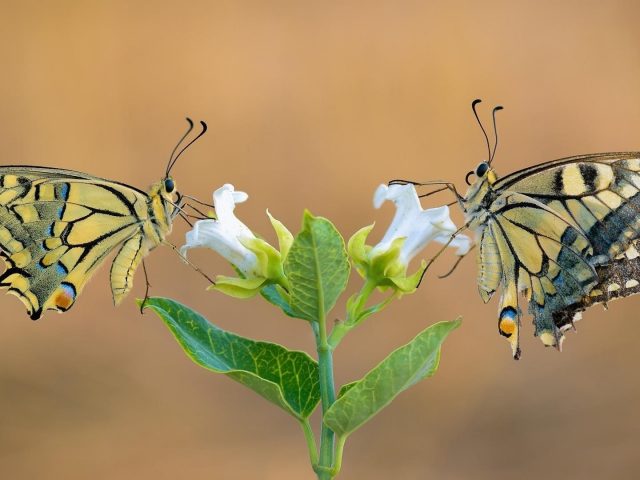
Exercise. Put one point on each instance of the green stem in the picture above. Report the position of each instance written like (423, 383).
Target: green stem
(311, 442)
(354, 311)
(327, 397)
(365, 292)
(337, 465)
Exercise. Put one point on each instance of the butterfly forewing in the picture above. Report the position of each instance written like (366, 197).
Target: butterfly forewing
(598, 193)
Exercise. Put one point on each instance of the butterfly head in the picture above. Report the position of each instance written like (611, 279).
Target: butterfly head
(166, 189)
(480, 190)
(483, 172)
(173, 199)
(485, 175)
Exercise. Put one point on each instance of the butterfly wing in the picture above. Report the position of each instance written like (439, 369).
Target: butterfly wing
(58, 226)
(617, 279)
(598, 193)
(526, 247)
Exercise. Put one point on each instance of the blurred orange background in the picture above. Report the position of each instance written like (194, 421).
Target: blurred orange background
(312, 105)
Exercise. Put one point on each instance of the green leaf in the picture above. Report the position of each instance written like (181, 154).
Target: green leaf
(286, 378)
(275, 295)
(406, 366)
(317, 268)
(346, 387)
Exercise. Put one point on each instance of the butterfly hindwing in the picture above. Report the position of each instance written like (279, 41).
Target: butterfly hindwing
(124, 266)
(540, 254)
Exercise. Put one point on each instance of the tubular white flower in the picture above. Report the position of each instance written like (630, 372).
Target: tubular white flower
(226, 234)
(417, 226)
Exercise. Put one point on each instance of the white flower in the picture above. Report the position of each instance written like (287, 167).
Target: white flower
(259, 263)
(411, 230)
(226, 234)
(417, 226)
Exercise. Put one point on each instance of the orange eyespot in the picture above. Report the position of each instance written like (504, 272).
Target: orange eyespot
(507, 327)
(65, 296)
(508, 324)
(63, 301)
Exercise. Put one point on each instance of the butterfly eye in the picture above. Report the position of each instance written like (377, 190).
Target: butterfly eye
(482, 169)
(169, 186)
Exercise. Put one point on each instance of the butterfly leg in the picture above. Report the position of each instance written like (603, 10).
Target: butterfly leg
(456, 263)
(186, 260)
(147, 287)
(439, 252)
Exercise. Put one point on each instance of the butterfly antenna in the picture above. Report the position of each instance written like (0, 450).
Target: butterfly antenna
(202, 132)
(475, 112)
(495, 132)
(170, 163)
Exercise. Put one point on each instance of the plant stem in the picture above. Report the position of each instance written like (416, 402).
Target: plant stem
(365, 292)
(354, 311)
(311, 442)
(339, 449)
(327, 396)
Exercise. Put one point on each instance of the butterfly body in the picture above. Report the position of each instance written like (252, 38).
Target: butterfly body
(546, 230)
(58, 226)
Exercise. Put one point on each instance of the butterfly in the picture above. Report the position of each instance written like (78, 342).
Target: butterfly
(58, 226)
(550, 231)
(557, 232)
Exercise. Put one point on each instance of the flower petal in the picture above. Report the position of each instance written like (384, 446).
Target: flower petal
(357, 247)
(408, 208)
(238, 287)
(225, 199)
(285, 238)
(222, 238)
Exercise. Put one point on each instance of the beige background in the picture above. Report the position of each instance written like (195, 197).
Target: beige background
(312, 104)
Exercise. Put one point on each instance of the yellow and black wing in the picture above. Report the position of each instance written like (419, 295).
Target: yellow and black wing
(527, 247)
(619, 278)
(560, 230)
(58, 226)
(598, 193)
